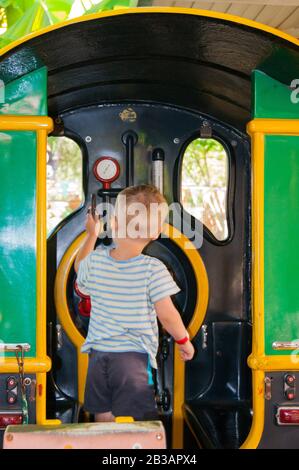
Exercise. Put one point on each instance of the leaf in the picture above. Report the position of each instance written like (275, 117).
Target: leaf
(27, 16)
(41, 14)
(111, 4)
(23, 26)
(57, 9)
(5, 3)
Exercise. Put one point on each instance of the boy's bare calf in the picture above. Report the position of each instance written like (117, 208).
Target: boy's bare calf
(104, 417)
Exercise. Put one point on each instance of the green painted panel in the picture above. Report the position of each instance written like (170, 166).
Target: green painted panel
(25, 96)
(18, 238)
(282, 63)
(272, 99)
(281, 240)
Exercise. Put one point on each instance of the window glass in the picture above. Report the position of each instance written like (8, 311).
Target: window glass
(204, 182)
(64, 179)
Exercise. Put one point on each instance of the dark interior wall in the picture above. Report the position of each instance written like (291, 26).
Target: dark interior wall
(219, 372)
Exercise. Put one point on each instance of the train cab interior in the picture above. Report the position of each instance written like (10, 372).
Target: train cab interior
(128, 90)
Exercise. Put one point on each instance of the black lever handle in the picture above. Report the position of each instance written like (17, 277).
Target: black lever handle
(129, 139)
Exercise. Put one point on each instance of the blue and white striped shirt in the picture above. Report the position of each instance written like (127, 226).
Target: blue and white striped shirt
(123, 294)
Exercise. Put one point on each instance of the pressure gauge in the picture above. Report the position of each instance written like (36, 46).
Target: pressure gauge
(106, 170)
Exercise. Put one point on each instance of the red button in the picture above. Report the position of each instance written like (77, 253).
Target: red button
(288, 416)
(11, 382)
(7, 419)
(290, 395)
(290, 379)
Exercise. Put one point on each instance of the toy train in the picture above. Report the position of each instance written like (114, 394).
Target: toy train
(135, 89)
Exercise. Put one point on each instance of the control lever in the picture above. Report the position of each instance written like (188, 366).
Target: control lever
(163, 398)
(93, 205)
(129, 139)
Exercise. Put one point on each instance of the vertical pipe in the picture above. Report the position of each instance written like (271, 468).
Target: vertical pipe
(129, 139)
(41, 243)
(158, 158)
(258, 333)
(130, 160)
(41, 273)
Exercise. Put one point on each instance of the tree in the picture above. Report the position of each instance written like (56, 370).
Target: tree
(19, 18)
(64, 179)
(204, 184)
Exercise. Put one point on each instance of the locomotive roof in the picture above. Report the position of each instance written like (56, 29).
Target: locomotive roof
(183, 57)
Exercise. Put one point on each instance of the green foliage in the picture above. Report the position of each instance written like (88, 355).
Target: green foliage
(27, 16)
(196, 158)
(65, 156)
(64, 179)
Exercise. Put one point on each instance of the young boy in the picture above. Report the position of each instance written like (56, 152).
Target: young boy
(128, 292)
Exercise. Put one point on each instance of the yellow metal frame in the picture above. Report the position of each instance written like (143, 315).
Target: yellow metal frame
(194, 325)
(63, 312)
(272, 126)
(196, 321)
(41, 364)
(258, 361)
(168, 10)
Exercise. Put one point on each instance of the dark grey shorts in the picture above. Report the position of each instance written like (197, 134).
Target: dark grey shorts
(119, 382)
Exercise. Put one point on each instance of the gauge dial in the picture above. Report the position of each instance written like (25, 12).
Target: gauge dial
(106, 170)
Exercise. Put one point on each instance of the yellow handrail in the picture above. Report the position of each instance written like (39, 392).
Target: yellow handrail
(41, 364)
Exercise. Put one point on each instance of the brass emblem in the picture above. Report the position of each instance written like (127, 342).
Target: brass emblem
(128, 115)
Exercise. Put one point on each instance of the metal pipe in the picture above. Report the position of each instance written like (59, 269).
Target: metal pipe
(158, 158)
(129, 139)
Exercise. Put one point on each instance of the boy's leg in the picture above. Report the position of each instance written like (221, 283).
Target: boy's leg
(132, 395)
(97, 399)
(104, 417)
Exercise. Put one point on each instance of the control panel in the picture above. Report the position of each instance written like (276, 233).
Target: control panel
(11, 399)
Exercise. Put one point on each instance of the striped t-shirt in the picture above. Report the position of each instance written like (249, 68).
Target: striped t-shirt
(123, 294)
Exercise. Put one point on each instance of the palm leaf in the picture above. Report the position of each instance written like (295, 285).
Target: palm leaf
(111, 4)
(27, 16)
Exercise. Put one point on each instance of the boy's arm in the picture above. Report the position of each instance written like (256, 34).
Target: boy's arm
(173, 324)
(93, 226)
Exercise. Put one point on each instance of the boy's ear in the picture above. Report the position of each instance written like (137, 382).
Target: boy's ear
(155, 235)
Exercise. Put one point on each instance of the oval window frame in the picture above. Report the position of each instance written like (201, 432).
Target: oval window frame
(207, 234)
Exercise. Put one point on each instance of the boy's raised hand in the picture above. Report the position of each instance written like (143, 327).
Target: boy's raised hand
(186, 351)
(93, 225)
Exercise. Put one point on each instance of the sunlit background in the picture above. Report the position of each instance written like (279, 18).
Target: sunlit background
(64, 179)
(21, 17)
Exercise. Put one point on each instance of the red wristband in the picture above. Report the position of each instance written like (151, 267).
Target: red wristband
(182, 341)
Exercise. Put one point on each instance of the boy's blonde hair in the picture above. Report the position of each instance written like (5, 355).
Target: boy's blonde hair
(151, 199)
